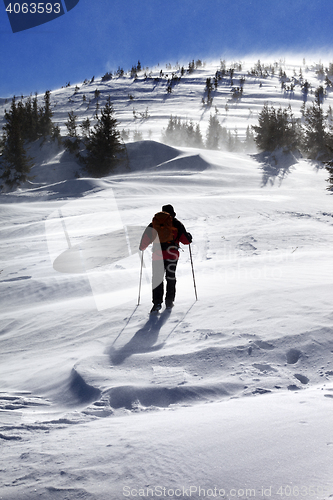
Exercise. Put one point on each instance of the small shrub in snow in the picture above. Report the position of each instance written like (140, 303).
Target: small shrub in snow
(107, 77)
(137, 136)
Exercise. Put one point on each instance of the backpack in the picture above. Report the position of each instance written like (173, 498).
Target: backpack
(162, 223)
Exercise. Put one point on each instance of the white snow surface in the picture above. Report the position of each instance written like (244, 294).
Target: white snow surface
(228, 396)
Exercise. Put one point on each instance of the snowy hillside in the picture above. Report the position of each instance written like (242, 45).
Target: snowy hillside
(143, 105)
(229, 396)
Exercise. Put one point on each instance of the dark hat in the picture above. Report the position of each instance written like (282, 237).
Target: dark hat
(169, 209)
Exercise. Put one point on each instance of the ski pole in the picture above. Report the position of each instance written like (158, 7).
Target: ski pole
(140, 277)
(195, 287)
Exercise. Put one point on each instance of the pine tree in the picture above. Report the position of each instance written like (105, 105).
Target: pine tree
(198, 137)
(213, 133)
(104, 145)
(305, 90)
(15, 162)
(72, 141)
(35, 117)
(191, 67)
(329, 145)
(276, 129)
(319, 95)
(249, 139)
(134, 73)
(182, 133)
(45, 117)
(71, 125)
(85, 127)
(31, 131)
(315, 135)
(107, 77)
(329, 168)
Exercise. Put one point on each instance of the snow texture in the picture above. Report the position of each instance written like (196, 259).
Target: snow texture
(230, 396)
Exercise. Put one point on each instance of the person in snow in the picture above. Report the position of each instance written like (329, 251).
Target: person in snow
(165, 232)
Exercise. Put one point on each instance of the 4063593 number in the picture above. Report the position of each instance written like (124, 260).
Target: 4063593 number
(302, 491)
(34, 8)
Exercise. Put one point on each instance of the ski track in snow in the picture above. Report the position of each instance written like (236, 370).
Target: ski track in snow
(234, 390)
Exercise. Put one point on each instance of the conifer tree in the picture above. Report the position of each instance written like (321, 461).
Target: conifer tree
(85, 127)
(315, 135)
(198, 140)
(329, 145)
(15, 162)
(103, 145)
(213, 133)
(191, 67)
(45, 116)
(305, 90)
(249, 139)
(71, 124)
(329, 168)
(35, 117)
(72, 141)
(319, 95)
(182, 133)
(276, 129)
(134, 73)
(28, 126)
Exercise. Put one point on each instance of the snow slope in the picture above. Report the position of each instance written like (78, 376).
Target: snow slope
(229, 396)
(143, 105)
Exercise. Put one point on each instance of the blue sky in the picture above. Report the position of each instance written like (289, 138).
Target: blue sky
(99, 35)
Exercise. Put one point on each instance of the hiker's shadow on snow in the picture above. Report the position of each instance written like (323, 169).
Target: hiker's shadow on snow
(276, 165)
(143, 341)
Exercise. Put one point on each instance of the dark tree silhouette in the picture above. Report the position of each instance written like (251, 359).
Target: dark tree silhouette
(276, 129)
(314, 135)
(15, 162)
(45, 117)
(103, 145)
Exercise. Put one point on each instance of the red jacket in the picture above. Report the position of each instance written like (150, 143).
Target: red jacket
(166, 251)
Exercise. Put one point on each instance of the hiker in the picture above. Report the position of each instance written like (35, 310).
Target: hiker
(170, 232)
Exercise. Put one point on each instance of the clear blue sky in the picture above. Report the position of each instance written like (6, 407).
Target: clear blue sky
(99, 35)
